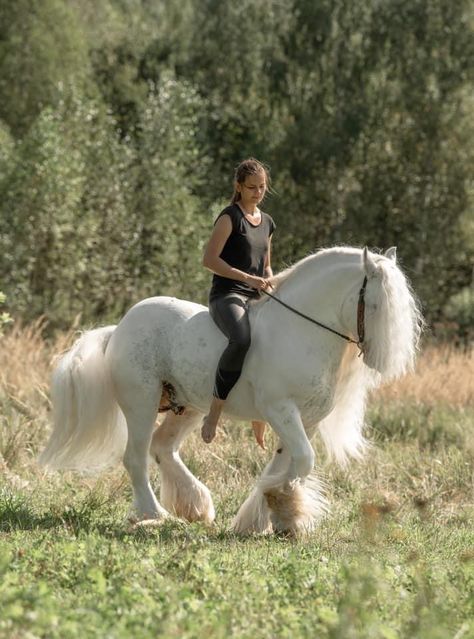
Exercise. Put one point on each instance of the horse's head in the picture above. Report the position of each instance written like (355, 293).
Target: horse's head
(329, 281)
(392, 320)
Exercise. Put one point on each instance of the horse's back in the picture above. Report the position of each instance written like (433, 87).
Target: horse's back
(163, 306)
(153, 320)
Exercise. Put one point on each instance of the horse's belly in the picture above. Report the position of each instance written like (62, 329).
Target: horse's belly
(195, 358)
(165, 339)
(195, 350)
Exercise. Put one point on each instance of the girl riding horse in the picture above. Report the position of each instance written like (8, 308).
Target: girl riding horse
(238, 253)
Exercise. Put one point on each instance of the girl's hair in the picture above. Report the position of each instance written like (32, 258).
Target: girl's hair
(246, 168)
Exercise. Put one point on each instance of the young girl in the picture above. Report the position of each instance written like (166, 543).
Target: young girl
(238, 253)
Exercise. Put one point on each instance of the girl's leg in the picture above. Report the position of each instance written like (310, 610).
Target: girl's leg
(230, 313)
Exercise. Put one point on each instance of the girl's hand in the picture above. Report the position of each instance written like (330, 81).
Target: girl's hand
(257, 282)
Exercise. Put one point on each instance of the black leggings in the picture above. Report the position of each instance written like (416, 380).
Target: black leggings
(230, 313)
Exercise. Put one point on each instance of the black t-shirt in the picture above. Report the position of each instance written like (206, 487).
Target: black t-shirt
(246, 249)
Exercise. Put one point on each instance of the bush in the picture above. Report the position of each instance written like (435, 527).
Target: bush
(60, 207)
(5, 318)
(460, 309)
(91, 223)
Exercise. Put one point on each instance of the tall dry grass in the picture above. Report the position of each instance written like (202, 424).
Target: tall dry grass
(25, 366)
(26, 359)
(443, 375)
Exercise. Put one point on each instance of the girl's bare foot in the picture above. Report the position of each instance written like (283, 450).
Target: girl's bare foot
(208, 430)
(259, 432)
(209, 425)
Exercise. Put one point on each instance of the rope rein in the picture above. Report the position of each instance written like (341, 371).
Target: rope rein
(360, 317)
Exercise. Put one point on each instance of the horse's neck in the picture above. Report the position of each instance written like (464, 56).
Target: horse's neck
(321, 288)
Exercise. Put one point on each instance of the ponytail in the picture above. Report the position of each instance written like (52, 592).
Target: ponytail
(236, 197)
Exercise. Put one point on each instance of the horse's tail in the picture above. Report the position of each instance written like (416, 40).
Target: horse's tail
(89, 429)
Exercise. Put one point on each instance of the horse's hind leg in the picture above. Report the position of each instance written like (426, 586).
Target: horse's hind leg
(181, 493)
(140, 415)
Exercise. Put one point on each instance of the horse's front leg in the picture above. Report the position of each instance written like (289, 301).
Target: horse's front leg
(286, 492)
(285, 419)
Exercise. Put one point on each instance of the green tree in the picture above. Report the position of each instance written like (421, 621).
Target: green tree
(121, 123)
(41, 46)
(170, 166)
(374, 152)
(236, 61)
(5, 318)
(61, 204)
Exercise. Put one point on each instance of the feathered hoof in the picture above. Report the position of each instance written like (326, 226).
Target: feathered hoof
(295, 508)
(189, 501)
(192, 514)
(246, 530)
(253, 517)
(146, 520)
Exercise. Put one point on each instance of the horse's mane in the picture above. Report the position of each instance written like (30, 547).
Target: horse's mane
(295, 269)
(322, 253)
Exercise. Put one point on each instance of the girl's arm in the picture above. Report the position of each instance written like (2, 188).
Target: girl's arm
(268, 273)
(212, 261)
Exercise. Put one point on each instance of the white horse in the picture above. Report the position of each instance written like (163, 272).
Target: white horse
(297, 376)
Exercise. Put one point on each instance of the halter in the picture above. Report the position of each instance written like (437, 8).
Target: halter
(360, 318)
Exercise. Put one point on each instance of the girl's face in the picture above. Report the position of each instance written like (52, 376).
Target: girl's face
(252, 191)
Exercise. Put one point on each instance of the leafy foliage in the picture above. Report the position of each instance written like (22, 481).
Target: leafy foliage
(460, 309)
(120, 124)
(5, 318)
(41, 46)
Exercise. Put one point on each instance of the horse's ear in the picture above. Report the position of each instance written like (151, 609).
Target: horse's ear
(391, 253)
(370, 267)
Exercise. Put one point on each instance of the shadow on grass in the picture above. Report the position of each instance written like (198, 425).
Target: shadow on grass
(177, 532)
(16, 514)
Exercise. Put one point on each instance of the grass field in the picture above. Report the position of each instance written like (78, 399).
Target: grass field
(393, 559)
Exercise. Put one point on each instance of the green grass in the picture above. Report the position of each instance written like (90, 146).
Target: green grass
(393, 559)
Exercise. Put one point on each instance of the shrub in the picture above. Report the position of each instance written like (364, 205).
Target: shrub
(460, 309)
